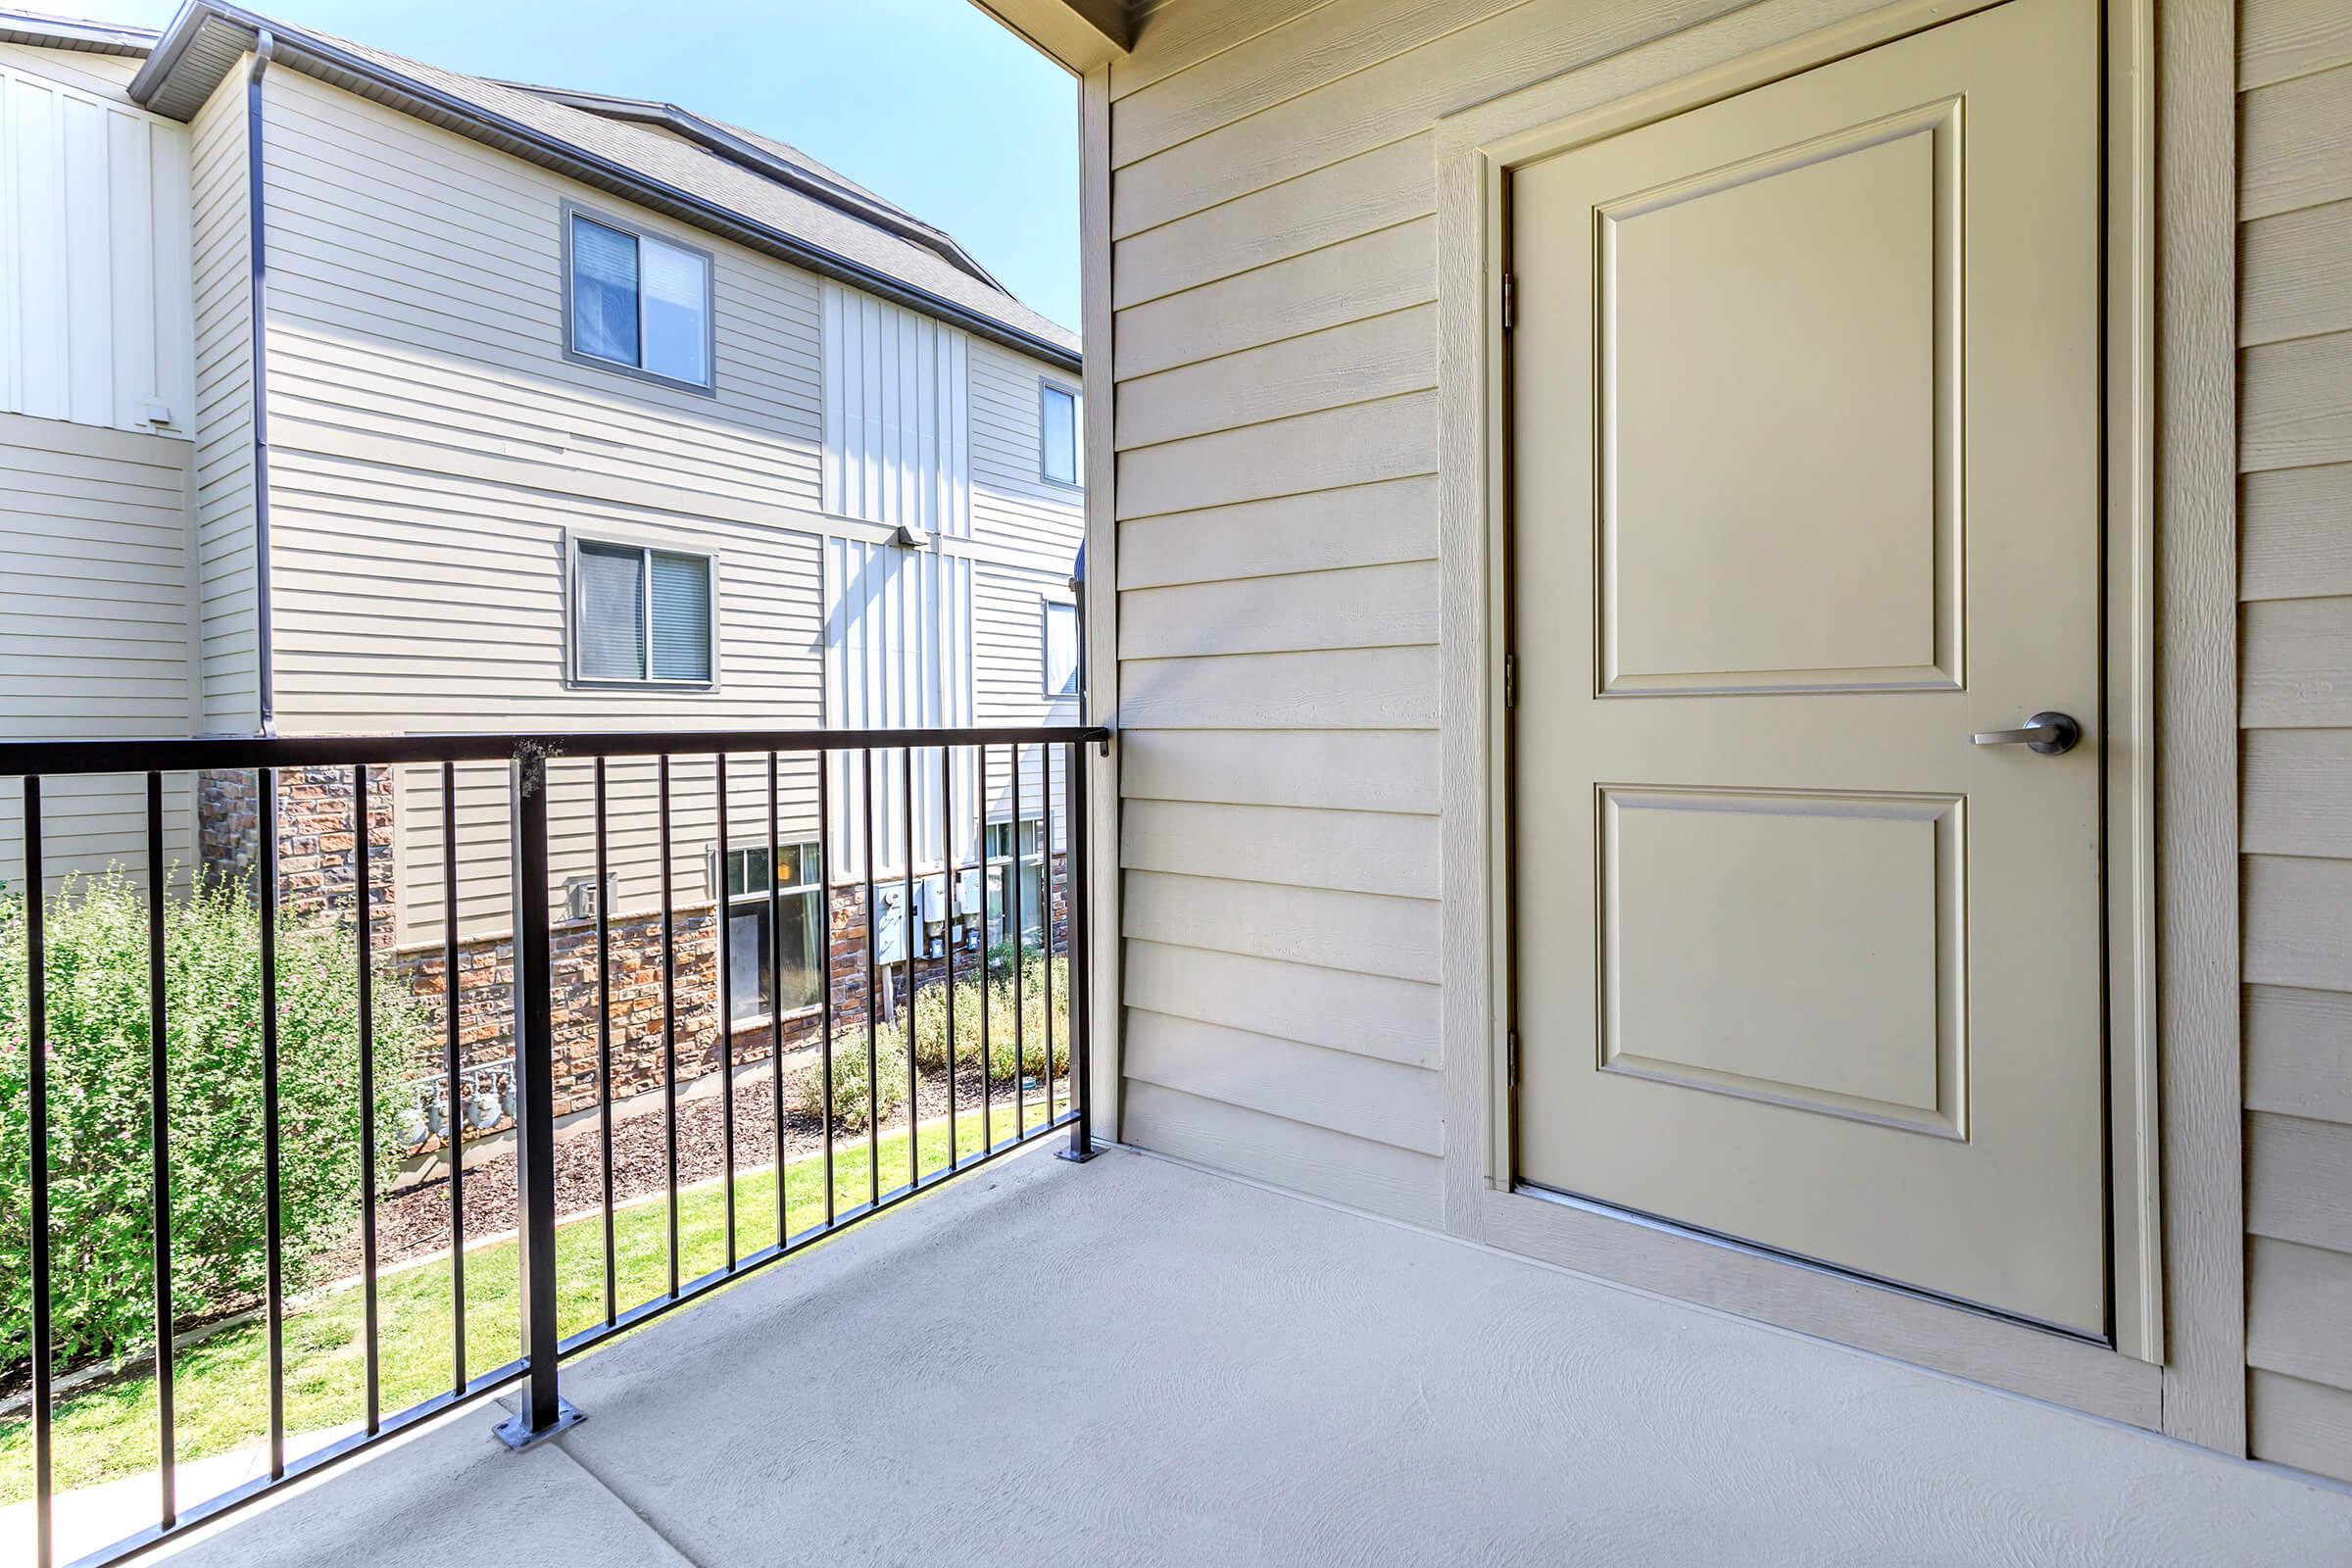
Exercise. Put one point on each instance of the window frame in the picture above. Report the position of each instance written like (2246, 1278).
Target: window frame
(706, 388)
(1016, 860)
(1046, 604)
(646, 551)
(1047, 387)
(819, 903)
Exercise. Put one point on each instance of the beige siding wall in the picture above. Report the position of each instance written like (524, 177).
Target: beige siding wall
(1273, 283)
(432, 450)
(416, 301)
(94, 630)
(220, 221)
(2296, 455)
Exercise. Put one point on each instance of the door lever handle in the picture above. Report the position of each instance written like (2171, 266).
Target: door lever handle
(2050, 734)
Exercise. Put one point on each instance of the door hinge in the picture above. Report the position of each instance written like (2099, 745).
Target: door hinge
(1510, 680)
(1511, 301)
(1510, 1057)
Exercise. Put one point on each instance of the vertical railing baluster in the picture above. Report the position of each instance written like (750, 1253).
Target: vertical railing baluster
(1020, 960)
(874, 986)
(988, 1061)
(1082, 1024)
(604, 1040)
(909, 926)
(452, 1045)
(371, 1369)
(946, 929)
(159, 1150)
(824, 892)
(542, 1410)
(776, 996)
(669, 1025)
(1044, 904)
(36, 1042)
(273, 1239)
(726, 1016)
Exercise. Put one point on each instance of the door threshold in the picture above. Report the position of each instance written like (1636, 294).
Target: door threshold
(1814, 1265)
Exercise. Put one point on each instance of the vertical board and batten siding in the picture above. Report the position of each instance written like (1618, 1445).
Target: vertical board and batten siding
(221, 270)
(2296, 581)
(95, 310)
(94, 631)
(895, 415)
(97, 332)
(897, 656)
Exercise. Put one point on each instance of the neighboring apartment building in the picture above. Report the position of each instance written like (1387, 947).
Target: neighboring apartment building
(566, 411)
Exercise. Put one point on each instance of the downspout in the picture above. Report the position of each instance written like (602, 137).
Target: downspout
(265, 685)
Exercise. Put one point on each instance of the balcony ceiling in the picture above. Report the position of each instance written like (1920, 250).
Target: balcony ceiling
(1133, 1362)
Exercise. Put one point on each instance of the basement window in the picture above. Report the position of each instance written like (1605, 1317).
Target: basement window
(1016, 867)
(636, 302)
(762, 930)
(640, 615)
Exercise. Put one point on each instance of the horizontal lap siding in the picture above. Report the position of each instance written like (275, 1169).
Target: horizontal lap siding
(413, 602)
(1275, 360)
(433, 450)
(219, 222)
(2295, 456)
(416, 295)
(94, 632)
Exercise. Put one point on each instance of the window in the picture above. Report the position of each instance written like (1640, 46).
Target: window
(641, 615)
(1058, 428)
(759, 909)
(1004, 867)
(638, 301)
(1059, 636)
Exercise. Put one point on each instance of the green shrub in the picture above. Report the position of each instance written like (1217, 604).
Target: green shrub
(100, 1172)
(850, 1111)
(931, 1022)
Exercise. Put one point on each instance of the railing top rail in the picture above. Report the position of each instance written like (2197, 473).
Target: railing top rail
(184, 754)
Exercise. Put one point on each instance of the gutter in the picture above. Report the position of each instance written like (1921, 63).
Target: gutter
(265, 47)
(304, 52)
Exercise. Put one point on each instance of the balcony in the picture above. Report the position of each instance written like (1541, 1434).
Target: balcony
(1137, 1362)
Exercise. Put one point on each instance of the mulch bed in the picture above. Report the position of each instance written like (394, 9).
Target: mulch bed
(415, 1220)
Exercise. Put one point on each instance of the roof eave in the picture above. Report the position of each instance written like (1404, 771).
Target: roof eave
(715, 138)
(65, 33)
(185, 42)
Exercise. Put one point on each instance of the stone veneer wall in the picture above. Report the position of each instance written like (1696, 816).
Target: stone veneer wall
(486, 995)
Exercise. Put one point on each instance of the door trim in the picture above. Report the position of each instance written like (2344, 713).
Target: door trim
(2194, 975)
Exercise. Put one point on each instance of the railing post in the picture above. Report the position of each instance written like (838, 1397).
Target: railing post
(1075, 866)
(544, 1411)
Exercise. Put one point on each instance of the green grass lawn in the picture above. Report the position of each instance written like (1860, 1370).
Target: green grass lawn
(221, 1389)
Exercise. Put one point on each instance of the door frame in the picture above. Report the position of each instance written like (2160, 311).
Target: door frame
(2176, 1363)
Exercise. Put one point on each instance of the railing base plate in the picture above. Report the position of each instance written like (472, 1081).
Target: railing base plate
(1075, 1156)
(515, 1435)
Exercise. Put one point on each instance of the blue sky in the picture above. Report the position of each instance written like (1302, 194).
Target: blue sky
(929, 102)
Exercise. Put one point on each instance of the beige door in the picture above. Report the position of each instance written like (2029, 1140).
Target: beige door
(1805, 458)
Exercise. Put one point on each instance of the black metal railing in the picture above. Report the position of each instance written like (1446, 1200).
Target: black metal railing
(531, 1016)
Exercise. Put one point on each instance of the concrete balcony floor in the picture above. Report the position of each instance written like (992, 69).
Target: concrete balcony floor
(1137, 1362)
